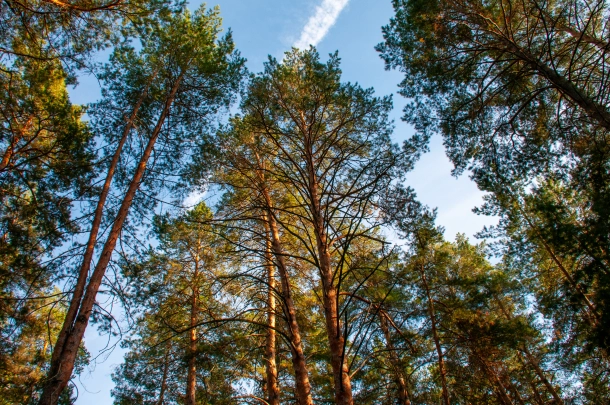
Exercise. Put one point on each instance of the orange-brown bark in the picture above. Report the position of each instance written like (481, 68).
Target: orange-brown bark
(61, 371)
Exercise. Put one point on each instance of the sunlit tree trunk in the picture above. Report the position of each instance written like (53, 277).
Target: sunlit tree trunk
(296, 346)
(191, 378)
(273, 389)
(98, 214)
(437, 343)
(336, 339)
(397, 368)
(61, 372)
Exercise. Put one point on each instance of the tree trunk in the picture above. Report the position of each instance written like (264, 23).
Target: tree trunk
(336, 340)
(191, 377)
(7, 156)
(60, 375)
(168, 347)
(397, 368)
(566, 87)
(83, 272)
(533, 362)
(437, 343)
(10, 150)
(493, 376)
(296, 347)
(273, 389)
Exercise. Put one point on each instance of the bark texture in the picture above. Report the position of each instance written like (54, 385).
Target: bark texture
(61, 372)
(437, 343)
(336, 340)
(191, 377)
(296, 346)
(397, 367)
(273, 389)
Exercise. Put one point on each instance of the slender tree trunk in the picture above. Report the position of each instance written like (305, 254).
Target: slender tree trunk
(330, 297)
(60, 375)
(399, 375)
(493, 376)
(515, 390)
(531, 360)
(296, 346)
(566, 87)
(7, 156)
(273, 389)
(537, 396)
(98, 214)
(191, 377)
(439, 350)
(168, 346)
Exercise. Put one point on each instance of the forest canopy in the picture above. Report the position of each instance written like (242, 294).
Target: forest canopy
(307, 271)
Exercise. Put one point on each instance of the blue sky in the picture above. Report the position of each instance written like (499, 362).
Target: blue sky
(353, 27)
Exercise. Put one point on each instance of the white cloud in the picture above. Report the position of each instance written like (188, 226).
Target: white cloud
(320, 22)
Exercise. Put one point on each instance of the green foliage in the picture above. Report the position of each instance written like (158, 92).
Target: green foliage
(25, 352)
(518, 92)
(181, 48)
(178, 291)
(46, 163)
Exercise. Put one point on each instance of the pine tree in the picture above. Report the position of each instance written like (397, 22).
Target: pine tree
(181, 75)
(331, 147)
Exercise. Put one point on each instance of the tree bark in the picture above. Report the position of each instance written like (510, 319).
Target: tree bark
(8, 155)
(439, 350)
(191, 377)
(83, 272)
(399, 377)
(85, 9)
(533, 362)
(330, 297)
(60, 375)
(273, 389)
(10, 150)
(168, 346)
(296, 346)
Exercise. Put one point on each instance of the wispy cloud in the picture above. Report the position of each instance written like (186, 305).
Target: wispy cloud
(320, 22)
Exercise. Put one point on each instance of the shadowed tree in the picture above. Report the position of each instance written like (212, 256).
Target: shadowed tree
(162, 97)
(518, 89)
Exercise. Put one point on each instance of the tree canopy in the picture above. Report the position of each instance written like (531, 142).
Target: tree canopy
(306, 271)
